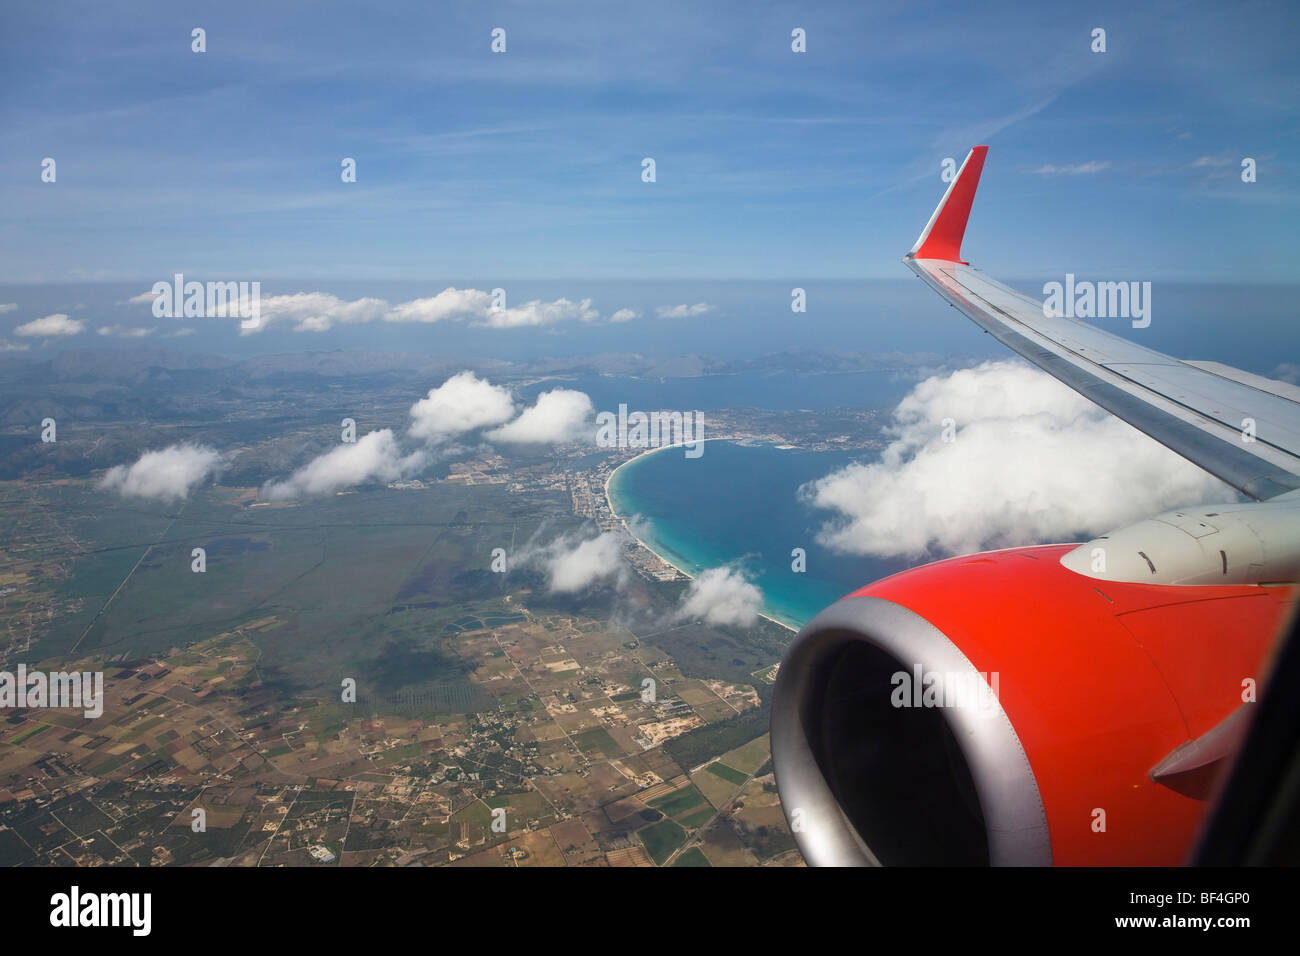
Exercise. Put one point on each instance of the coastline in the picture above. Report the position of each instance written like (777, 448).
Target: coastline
(609, 502)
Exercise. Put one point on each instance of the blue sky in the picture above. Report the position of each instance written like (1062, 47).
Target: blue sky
(527, 164)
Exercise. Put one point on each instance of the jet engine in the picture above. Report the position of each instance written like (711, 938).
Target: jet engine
(1007, 708)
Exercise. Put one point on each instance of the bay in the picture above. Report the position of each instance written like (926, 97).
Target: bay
(739, 505)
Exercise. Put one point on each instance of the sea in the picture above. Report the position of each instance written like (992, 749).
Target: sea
(739, 505)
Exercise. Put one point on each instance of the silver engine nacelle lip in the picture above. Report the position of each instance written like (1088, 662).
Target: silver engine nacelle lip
(1014, 817)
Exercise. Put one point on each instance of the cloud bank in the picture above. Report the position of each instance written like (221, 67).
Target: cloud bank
(1072, 169)
(322, 311)
(166, 475)
(573, 563)
(461, 404)
(123, 332)
(50, 326)
(317, 311)
(1032, 462)
(560, 415)
(683, 311)
(721, 595)
(373, 457)
(572, 567)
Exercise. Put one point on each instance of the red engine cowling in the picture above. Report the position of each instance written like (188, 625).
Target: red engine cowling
(884, 754)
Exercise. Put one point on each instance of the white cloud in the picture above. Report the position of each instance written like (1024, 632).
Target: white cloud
(573, 567)
(476, 306)
(122, 332)
(1288, 372)
(721, 595)
(316, 311)
(560, 415)
(51, 325)
(144, 298)
(1072, 169)
(462, 403)
(1033, 462)
(625, 315)
(449, 304)
(321, 311)
(540, 313)
(573, 563)
(166, 474)
(7, 307)
(1215, 162)
(180, 333)
(373, 457)
(7, 346)
(683, 311)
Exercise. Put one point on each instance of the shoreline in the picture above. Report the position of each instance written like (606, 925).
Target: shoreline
(609, 502)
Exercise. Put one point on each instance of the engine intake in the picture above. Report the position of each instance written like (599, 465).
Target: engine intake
(1003, 709)
(884, 784)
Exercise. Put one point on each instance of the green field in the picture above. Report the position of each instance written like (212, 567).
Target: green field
(748, 758)
(729, 774)
(661, 839)
(694, 819)
(597, 738)
(692, 857)
(369, 586)
(679, 801)
(28, 734)
(472, 623)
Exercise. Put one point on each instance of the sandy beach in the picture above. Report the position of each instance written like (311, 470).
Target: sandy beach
(627, 526)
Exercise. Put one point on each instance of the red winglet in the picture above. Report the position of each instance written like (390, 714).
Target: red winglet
(943, 233)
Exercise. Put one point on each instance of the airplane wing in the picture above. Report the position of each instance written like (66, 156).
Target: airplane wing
(1240, 427)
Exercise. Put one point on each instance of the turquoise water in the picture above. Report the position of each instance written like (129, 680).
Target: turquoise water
(739, 504)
